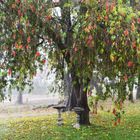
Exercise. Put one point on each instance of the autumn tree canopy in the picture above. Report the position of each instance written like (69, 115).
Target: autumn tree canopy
(82, 37)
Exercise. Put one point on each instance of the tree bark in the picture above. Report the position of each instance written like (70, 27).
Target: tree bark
(131, 97)
(132, 3)
(79, 99)
(131, 93)
(69, 97)
(19, 98)
(138, 89)
(138, 93)
(84, 117)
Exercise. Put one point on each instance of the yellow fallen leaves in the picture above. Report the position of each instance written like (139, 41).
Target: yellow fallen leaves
(45, 127)
(112, 57)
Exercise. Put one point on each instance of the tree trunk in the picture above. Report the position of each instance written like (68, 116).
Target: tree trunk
(131, 97)
(79, 99)
(132, 3)
(131, 94)
(19, 98)
(69, 96)
(138, 89)
(84, 118)
(138, 93)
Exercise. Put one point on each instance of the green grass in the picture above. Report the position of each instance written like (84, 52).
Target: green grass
(102, 128)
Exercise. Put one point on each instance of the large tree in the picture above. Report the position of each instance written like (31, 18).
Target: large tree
(77, 37)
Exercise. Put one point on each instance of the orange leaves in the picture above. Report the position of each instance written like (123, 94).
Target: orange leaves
(37, 54)
(126, 32)
(107, 6)
(49, 17)
(29, 39)
(9, 72)
(18, 46)
(106, 18)
(130, 64)
(125, 78)
(112, 6)
(133, 26)
(134, 45)
(13, 5)
(90, 28)
(89, 41)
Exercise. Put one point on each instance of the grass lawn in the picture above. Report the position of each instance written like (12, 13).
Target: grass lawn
(102, 128)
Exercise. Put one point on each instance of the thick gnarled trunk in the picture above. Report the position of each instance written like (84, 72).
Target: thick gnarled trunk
(78, 98)
(79, 101)
(84, 118)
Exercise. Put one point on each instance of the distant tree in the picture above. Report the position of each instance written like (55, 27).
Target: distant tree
(19, 98)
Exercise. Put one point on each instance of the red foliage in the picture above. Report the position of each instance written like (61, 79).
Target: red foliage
(9, 72)
(130, 64)
(48, 17)
(119, 120)
(138, 20)
(89, 40)
(125, 78)
(27, 47)
(114, 111)
(134, 45)
(14, 53)
(126, 32)
(44, 61)
(29, 39)
(37, 54)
